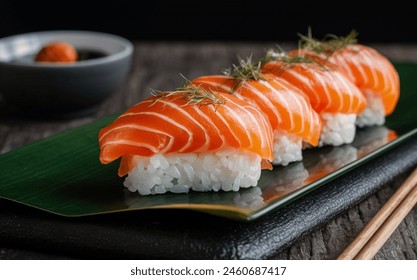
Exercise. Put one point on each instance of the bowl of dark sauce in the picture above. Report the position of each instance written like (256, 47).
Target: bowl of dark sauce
(55, 89)
(89, 54)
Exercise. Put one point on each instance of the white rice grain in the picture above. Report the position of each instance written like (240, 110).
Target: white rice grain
(374, 114)
(338, 129)
(287, 148)
(226, 170)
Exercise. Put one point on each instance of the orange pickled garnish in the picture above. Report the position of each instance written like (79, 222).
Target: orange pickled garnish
(57, 52)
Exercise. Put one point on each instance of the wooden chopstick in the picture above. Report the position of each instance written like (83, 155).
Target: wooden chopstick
(380, 228)
(381, 236)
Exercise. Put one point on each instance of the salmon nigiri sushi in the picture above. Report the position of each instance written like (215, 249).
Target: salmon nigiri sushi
(337, 100)
(372, 73)
(189, 139)
(292, 118)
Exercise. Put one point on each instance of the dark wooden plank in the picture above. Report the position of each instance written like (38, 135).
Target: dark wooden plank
(329, 241)
(158, 65)
(17, 254)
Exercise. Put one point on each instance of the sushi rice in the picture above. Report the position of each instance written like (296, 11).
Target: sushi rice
(338, 129)
(374, 114)
(287, 148)
(228, 170)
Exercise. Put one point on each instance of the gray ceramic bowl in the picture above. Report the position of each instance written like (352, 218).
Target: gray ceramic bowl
(62, 89)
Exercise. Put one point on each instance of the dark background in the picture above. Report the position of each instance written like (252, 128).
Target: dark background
(213, 20)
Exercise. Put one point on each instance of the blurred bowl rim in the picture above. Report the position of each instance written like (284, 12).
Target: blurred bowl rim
(127, 50)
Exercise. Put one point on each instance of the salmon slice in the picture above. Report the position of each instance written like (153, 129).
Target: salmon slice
(369, 70)
(286, 107)
(328, 89)
(172, 123)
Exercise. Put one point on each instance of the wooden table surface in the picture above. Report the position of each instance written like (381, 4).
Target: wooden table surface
(157, 66)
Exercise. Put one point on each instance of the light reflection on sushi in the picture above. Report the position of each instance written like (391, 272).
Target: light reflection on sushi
(329, 160)
(371, 138)
(249, 199)
(246, 199)
(283, 180)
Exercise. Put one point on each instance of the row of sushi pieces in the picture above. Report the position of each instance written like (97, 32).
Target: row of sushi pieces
(217, 132)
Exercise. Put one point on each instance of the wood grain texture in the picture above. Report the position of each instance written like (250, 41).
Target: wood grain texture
(329, 241)
(374, 235)
(157, 65)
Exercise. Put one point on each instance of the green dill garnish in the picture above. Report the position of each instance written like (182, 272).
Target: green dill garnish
(330, 43)
(290, 60)
(245, 70)
(273, 54)
(300, 58)
(193, 94)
